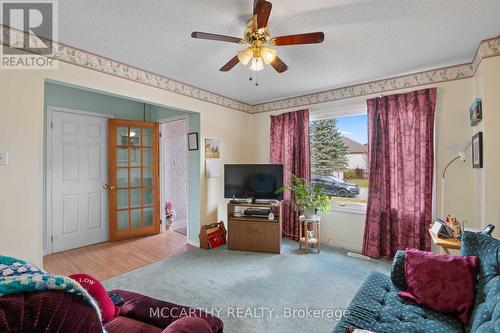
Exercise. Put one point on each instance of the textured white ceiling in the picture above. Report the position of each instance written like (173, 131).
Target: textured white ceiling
(364, 39)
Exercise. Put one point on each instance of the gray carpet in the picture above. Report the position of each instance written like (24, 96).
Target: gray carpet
(273, 292)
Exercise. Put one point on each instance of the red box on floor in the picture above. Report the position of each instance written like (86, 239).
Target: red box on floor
(212, 235)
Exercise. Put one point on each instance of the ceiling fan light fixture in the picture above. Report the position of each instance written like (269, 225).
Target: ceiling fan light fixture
(257, 36)
(257, 64)
(244, 56)
(268, 54)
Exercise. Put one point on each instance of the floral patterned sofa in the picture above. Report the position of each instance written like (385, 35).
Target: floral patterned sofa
(378, 308)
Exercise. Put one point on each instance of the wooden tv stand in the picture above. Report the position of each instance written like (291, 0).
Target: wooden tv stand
(256, 234)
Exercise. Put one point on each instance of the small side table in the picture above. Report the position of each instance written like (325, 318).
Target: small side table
(445, 243)
(316, 239)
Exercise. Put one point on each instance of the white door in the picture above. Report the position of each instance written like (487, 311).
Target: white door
(78, 171)
(174, 169)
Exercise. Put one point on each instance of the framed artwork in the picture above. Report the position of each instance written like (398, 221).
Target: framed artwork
(475, 112)
(477, 150)
(212, 148)
(193, 141)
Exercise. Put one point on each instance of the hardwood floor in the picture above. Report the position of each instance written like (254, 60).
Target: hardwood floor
(108, 259)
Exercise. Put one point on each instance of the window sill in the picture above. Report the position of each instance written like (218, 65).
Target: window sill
(348, 207)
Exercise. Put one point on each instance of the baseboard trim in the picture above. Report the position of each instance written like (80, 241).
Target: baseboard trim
(358, 256)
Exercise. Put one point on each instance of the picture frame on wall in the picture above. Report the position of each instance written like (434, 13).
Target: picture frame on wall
(477, 150)
(212, 148)
(193, 141)
(475, 112)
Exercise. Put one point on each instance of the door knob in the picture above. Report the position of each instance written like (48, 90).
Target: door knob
(108, 187)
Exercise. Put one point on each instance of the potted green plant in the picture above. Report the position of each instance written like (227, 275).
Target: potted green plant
(309, 199)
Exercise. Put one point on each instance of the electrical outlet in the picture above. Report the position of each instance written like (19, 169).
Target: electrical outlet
(4, 158)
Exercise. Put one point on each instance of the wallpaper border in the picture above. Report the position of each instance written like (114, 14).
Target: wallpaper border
(487, 48)
(71, 55)
(82, 58)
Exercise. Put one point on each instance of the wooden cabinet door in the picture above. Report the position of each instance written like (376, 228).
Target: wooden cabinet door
(254, 236)
(263, 237)
(238, 238)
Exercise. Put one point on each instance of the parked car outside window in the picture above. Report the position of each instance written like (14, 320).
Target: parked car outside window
(336, 187)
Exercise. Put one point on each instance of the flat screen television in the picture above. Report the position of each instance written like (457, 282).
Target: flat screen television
(258, 181)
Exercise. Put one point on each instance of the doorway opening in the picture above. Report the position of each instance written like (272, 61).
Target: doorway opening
(174, 173)
(77, 164)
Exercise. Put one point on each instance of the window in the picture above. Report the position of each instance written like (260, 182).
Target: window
(339, 159)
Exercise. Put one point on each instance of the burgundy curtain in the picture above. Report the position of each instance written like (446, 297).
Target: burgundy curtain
(290, 147)
(400, 163)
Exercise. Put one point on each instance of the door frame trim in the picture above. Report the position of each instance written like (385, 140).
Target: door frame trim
(162, 168)
(174, 118)
(47, 223)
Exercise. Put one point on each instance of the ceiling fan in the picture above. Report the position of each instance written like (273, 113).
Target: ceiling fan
(257, 36)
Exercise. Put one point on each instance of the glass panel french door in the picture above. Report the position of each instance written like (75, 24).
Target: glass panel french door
(133, 179)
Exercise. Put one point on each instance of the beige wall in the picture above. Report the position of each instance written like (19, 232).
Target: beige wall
(232, 129)
(21, 135)
(478, 174)
(452, 126)
(487, 180)
(343, 230)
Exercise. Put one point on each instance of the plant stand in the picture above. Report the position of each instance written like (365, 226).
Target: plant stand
(315, 241)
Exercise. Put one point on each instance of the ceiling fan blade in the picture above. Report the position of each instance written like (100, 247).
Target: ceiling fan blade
(262, 9)
(309, 38)
(230, 64)
(279, 65)
(222, 38)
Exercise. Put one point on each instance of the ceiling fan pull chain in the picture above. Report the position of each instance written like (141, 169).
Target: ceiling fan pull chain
(251, 78)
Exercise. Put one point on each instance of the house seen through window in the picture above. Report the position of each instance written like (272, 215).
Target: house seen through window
(339, 157)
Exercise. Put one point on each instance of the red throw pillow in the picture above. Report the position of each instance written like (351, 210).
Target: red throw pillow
(441, 282)
(108, 309)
